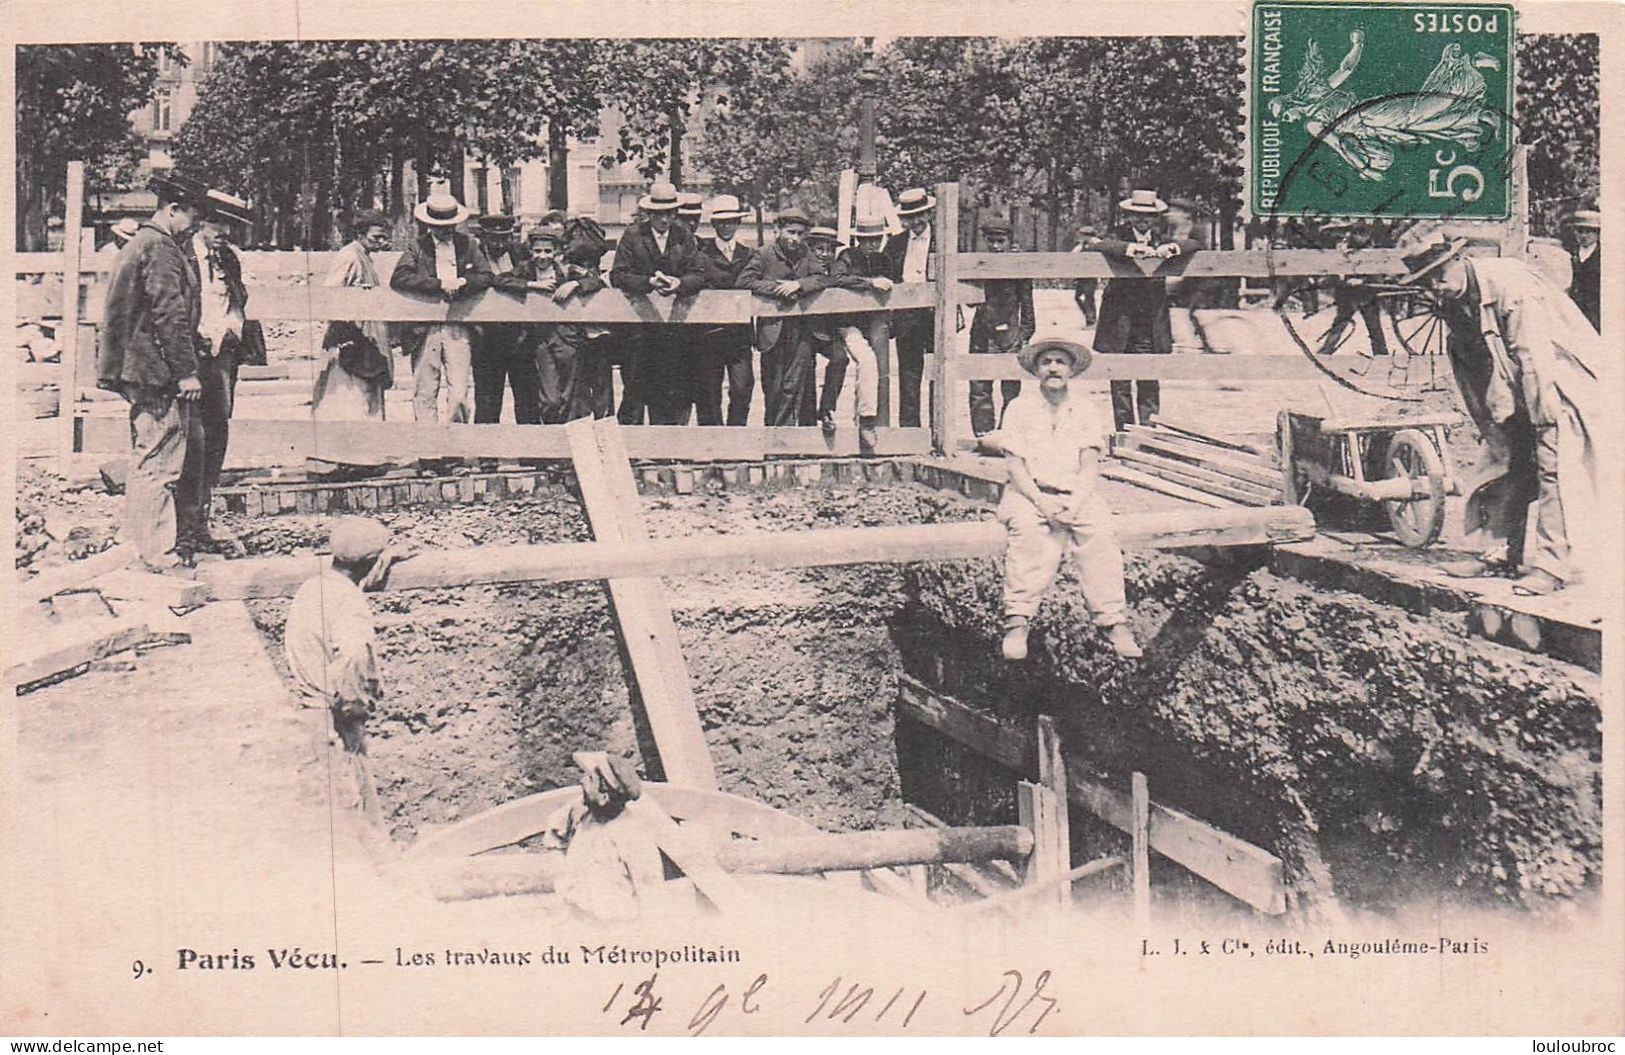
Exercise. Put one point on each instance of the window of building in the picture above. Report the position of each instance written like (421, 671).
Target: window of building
(162, 104)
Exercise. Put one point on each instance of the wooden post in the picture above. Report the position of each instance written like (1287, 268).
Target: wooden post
(1038, 808)
(946, 241)
(1283, 443)
(1518, 207)
(642, 613)
(68, 335)
(1140, 862)
(1052, 774)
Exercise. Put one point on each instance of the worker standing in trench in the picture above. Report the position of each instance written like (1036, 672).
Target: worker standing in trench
(332, 650)
(1052, 445)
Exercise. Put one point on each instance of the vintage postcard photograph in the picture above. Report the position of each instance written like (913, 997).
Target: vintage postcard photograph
(907, 519)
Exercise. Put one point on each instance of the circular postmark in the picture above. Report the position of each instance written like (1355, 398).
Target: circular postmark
(1402, 354)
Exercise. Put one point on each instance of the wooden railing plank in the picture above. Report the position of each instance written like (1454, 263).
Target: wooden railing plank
(1206, 263)
(1176, 367)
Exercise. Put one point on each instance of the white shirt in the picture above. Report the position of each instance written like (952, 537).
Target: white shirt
(216, 318)
(1143, 237)
(445, 259)
(915, 256)
(1050, 439)
(727, 248)
(329, 640)
(1585, 251)
(501, 262)
(660, 239)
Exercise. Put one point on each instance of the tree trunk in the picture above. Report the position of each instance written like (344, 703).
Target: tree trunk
(422, 167)
(1230, 296)
(396, 201)
(674, 167)
(558, 166)
(458, 172)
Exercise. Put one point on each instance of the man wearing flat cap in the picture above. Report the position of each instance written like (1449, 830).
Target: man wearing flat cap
(1134, 312)
(1585, 287)
(1053, 442)
(914, 330)
(785, 270)
(329, 641)
(147, 353)
(502, 356)
(1535, 378)
(660, 259)
(446, 265)
(573, 359)
(724, 351)
(1004, 322)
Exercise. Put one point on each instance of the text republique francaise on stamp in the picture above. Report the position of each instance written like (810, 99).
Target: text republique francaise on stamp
(1367, 109)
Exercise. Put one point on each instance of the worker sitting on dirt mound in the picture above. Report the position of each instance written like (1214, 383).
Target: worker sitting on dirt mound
(329, 641)
(1052, 444)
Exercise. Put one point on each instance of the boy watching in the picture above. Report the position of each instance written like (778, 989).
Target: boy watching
(1052, 444)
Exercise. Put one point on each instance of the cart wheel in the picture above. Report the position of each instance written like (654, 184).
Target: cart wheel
(1417, 522)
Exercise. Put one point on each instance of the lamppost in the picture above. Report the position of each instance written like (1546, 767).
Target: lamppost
(868, 77)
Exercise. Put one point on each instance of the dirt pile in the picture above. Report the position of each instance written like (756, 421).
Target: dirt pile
(55, 526)
(1385, 757)
(492, 688)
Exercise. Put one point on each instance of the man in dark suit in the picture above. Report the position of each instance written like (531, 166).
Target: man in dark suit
(1004, 322)
(660, 258)
(914, 330)
(1134, 311)
(1585, 288)
(147, 352)
(723, 349)
(502, 356)
(784, 270)
(443, 263)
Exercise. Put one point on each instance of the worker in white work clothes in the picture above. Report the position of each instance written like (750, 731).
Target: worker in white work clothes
(1052, 441)
(330, 645)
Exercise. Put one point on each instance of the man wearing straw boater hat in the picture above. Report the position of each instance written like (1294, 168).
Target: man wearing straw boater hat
(1585, 287)
(1535, 377)
(1134, 316)
(226, 341)
(914, 330)
(1052, 441)
(443, 263)
(1002, 323)
(690, 209)
(661, 259)
(147, 352)
(724, 350)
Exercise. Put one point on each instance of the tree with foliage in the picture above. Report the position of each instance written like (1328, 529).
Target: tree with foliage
(660, 86)
(73, 104)
(1557, 118)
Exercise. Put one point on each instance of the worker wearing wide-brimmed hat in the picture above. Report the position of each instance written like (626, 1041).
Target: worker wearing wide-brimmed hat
(659, 259)
(1584, 227)
(147, 352)
(1002, 323)
(1052, 440)
(1134, 316)
(724, 351)
(784, 270)
(448, 265)
(1536, 379)
(915, 330)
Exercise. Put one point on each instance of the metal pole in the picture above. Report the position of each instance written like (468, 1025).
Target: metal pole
(868, 78)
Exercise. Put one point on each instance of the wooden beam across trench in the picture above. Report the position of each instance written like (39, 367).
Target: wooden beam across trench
(698, 555)
(1246, 872)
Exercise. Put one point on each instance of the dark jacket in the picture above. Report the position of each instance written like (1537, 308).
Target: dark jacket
(1585, 288)
(769, 266)
(720, 273)
(853, 269)
(506, 339)
(637, 258)
(415, 273)
(1004, 321)
(1131, 303)
(150, 321)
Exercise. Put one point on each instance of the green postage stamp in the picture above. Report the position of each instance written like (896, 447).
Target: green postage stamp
(1381, 109)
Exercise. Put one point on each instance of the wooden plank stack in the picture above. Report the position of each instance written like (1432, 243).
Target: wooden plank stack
(1202, 468)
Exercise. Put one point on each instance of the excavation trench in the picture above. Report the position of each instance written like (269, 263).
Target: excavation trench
(1386, 758)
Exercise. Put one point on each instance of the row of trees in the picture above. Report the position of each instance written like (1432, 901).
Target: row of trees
(314, 130)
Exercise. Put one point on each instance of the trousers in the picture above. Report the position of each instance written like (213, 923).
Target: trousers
(164, 432)
(787, 375)
(660, 379)
(1033, 556)
(504, 359)
(575, 376)
(914, 333)
(445, 357)
(863, 356)
(723, 353)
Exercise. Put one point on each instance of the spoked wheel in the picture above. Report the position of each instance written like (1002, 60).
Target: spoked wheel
(1419, 323)
(1419, 520)
(1329, 347)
